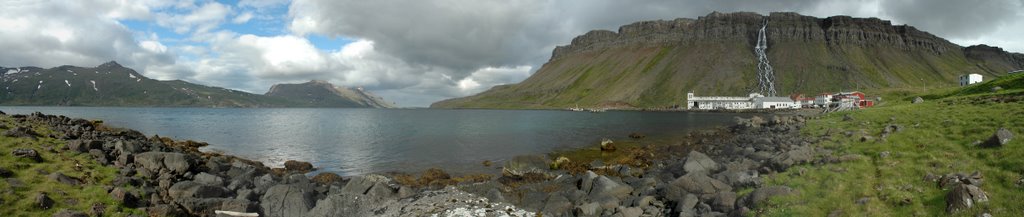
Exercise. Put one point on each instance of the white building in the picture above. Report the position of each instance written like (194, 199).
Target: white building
(752, 101)
(822, 100)
(969, 79)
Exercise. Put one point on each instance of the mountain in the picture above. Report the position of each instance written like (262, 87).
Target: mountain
(111, 84)
(655, 63)
(324, 94)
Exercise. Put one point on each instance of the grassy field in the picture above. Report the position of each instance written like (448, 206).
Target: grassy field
(20, 200)
(938, 138)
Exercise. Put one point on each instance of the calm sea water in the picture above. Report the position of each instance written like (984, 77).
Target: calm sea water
(359, 141)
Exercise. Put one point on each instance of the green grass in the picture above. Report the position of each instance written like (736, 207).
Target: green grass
(937, 138)
(20, 201)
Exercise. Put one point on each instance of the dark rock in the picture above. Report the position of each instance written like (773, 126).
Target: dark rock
(124, 197)
(863, 200)
(637, 135)
(287, 200)
(697, 162)
(84, 145)
(1000, 138)
(363, 184)
(298, 166)
(326, 178)
(739, 178)
(43, 201)
(587, 181)
(802, 154)
(847, 117)
(26, 153)
(60, 177)
(164, 210)
(190, 189)
(99, 156)
(917, 100)
(69, 213)
(4, 173)
(964, 196)
(21, 132)
(758, 196)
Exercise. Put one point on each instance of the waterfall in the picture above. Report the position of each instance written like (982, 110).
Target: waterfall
(765, 75)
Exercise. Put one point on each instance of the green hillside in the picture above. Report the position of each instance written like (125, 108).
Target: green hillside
(713, 55)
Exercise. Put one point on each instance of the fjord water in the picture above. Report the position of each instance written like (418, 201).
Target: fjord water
(359, 141)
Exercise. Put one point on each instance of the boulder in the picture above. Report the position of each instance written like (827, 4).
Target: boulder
(5, 173)
(631, 212)
(210, 206)
(84, 145)
(724, 201)
(697, 162)
(607, 145)
(127, 147)
(799, 155)
(27, 153)
(587, 181)
(739, 178)
(917, 100)
(176, 163)
(696, 183)
(208, 179)
(190, 189)
(287, 200)
(21, 132)
(298, 166)
(363, 184)
(603, 186)
(557, 204)
(964, 196)
(43, 201)
(164, 210)
(122, 196)
(588, 209)
(64, 179)
(1000, 138)
(758, 196)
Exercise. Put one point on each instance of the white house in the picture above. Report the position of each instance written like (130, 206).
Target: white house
(775, 103)
(822, 99)
(969, 79)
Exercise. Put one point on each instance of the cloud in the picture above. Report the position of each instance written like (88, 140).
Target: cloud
(242, 18)
(202, 19)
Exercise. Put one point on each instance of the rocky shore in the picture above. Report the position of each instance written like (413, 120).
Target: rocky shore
(163, 177)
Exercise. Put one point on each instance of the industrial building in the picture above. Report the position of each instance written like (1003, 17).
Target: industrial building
(752, 101)
(969, 79)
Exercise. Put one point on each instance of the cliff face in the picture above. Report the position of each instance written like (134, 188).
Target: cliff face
(318, 93)
(654, 63)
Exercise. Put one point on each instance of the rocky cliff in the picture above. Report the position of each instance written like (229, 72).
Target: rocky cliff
(654, 63)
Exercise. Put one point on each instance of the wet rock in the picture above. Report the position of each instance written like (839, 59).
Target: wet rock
(26, 153)
(69, 213)
(1000, 138)
(64, 179)
(964, 196)
(21, 132)
(607, 145)
(43, 201)
(298, 166)
(696, 183)
(287, 200)
(917, 100)
(697, 162)
(758, 196)
(637, 135)
(326, 178)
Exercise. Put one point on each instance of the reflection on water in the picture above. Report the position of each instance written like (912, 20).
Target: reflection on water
(358, 141)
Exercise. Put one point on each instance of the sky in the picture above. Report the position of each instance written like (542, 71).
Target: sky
(411, 52)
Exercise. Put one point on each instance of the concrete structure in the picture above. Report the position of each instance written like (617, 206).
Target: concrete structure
(752, 101)
(969, 79)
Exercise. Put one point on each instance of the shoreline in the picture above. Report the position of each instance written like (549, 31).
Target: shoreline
(174, 177)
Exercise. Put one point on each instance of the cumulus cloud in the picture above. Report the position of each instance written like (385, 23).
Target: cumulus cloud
(412, 52)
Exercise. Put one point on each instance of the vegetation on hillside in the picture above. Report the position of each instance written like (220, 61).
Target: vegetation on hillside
(894, 176)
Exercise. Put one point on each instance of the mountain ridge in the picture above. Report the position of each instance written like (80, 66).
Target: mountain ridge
(654, 63)
(111, 84)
